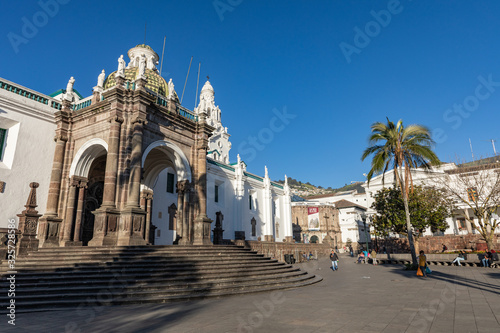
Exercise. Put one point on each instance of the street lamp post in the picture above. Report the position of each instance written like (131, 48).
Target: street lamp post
(363, 217)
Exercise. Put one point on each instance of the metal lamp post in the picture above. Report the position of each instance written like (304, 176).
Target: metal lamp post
(363, 217)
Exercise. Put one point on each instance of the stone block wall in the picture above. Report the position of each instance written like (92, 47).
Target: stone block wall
(278, 250)
(433, 244)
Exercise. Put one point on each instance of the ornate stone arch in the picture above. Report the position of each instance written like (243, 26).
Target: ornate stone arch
(175, 158)
(87, 153)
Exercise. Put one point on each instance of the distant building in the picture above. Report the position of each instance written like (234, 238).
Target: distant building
(316, 223)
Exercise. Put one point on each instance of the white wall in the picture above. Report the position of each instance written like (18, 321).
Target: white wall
(161, 201)
(28, 153)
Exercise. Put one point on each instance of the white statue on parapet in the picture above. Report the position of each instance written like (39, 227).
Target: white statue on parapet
(69, 86)
(142, 67)
(171, 91)
(100, 79)
(69, 90)
(151, 64)
(121, 67)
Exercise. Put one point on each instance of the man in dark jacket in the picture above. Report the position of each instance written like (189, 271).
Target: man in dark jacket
(334, 258)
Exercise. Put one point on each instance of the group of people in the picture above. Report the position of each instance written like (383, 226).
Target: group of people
(489, 257)
(486, 261)
(365, 256)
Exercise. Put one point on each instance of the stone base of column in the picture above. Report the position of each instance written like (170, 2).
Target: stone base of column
(72, 243)
(201, 231)
(289, 239)
(132, 224)
(105, 226)
(268, 238)
(28, 244)
(53, 226)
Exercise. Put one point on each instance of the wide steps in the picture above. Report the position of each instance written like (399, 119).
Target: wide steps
(102, 300)
(69, 277)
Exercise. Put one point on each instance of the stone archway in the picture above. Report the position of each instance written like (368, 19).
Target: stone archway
(167, 176)
(87, 173)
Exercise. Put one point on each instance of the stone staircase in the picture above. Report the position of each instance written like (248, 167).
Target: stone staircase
(59, 278)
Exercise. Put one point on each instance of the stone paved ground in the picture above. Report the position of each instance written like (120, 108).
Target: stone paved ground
(357, 298)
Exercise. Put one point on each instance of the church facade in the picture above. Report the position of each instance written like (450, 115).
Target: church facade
(132, 166)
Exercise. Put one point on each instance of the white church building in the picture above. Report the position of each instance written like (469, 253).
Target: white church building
(241, 205)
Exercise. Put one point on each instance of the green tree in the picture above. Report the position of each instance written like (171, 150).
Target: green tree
(429, 208)
(476, 191)
(402, 148)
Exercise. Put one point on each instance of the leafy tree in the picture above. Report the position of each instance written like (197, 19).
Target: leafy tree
(402, 148)
(476, 190)
(429, 208)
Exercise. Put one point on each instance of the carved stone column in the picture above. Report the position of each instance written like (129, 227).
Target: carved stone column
(179, 228)
(135, 165)
(55, 177)
(201, 230)
(133, 218)
(70, 212)
(183, 212)
(51, 222)
(186, 226)
(146, 201)
(28, 223)
(107, 216)
(77, 237)
(109, 192)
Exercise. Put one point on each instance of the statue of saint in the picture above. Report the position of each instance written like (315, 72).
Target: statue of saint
(151, 64)
(171, 90)
(142, 66)
(121, 66)
(69, 87)
(100, 79)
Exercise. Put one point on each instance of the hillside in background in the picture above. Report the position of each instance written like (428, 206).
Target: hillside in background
(305, 190)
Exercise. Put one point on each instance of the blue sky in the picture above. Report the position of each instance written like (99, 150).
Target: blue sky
(323, 70)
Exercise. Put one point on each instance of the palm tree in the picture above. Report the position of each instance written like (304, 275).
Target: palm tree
(401, 148)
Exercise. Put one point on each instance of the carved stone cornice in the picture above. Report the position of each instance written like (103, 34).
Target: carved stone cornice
(116, 118)
(61, 137)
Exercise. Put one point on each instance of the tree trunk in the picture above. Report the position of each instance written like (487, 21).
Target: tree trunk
(409, 230)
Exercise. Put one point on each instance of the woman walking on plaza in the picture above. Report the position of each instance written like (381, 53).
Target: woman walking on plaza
(422, 262)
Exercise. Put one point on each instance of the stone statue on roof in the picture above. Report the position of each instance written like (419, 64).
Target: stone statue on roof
(142, 66)
(69, 86)
(121, 67)
(100, 79)
(171, 90)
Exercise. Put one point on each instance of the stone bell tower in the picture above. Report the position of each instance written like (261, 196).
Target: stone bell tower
(218, 145)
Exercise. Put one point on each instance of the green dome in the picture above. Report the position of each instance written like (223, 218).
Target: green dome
(155, 82)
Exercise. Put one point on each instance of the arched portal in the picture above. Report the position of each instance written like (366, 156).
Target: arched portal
(165, 165)
(87, 173)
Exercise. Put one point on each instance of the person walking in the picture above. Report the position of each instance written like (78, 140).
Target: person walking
(366, 253)
(374, 256)
(351, 251)
(422, 263)
(334, 258)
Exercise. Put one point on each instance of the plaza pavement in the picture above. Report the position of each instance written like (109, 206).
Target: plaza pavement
(356, 298)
